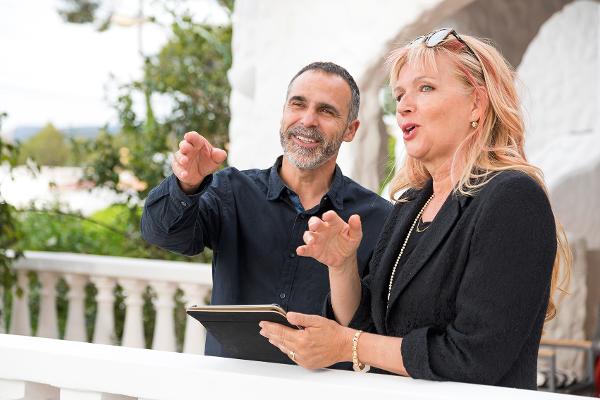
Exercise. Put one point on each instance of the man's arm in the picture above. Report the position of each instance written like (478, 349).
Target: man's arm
(182, 214)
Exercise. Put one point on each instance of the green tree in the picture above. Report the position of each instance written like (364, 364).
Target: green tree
(9, 229)
(190, 72)
(47, 147)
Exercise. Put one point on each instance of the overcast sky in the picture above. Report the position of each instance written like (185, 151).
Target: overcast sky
(51, 71)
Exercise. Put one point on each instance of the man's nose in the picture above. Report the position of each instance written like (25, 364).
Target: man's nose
(309, 118)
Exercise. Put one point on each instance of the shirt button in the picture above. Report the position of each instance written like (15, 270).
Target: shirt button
(282, 296)
(183, 203)
(292, 254)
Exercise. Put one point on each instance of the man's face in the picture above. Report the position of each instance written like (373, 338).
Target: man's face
(315, 119)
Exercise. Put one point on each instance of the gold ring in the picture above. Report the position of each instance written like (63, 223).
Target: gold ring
(293, 356)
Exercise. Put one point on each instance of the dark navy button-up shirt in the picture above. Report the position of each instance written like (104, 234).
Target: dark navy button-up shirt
(254, 223)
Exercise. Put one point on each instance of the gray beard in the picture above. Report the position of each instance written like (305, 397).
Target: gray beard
(304, 158)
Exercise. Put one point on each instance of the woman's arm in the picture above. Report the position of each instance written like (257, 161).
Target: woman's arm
(345, 291)
(333, 242)
(324, 342)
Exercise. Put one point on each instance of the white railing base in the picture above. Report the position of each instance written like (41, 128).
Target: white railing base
(161, 375)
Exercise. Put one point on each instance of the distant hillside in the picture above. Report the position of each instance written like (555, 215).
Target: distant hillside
(23, 133)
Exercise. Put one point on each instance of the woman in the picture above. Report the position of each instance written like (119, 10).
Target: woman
(462, 276)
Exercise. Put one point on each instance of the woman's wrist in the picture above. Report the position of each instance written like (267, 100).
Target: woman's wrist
(349, 265)
(345, 352)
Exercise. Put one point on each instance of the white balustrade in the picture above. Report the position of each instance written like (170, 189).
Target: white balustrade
(195, 334)
(85, 371)
(164, 328)
(134, 275)
(133, 330)
(20, 322)
(48, 321)
(22, 390)
(76, 317)
(104, 328)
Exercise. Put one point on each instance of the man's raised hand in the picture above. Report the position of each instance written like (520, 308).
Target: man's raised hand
(195, 160)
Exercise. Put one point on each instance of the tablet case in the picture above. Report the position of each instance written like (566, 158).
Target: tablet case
(236, 329)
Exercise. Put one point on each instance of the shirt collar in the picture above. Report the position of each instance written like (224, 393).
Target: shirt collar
(277, 187)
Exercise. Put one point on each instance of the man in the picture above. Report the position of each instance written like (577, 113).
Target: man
(254, 220)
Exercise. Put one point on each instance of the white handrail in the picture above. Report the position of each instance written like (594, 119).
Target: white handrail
(116, 267)
(100, 370)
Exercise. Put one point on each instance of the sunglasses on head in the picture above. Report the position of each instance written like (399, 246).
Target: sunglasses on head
(434, 38)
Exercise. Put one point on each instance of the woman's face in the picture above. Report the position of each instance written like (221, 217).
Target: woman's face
(434, 110)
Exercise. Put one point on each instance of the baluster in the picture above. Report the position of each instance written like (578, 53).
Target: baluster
(76, 315)
(104, 326)
(164, 327)
(48, 321)
(195, 334)
(20, 323)
(21, 390)
(133, 331)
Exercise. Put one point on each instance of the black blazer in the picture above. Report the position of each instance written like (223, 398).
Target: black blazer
(470, 300)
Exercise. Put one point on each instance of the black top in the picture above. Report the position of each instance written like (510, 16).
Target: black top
(470, 300)
(254, 226)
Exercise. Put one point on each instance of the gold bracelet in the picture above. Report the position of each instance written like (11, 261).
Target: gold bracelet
(356, 364)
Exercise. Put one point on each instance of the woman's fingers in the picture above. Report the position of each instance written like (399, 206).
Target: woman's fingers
(305, 320)
(355, 227)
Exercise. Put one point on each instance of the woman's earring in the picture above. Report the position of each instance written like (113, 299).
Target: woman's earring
(474, 124)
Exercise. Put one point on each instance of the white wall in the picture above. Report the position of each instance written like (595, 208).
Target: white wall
(273, 39)
(560, 73)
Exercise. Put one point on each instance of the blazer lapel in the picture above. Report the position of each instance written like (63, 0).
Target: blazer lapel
(380, 281)
(438, 230)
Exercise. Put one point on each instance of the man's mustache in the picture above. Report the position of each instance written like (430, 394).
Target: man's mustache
(311, 133)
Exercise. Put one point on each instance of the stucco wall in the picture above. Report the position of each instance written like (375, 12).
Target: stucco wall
(273, 39)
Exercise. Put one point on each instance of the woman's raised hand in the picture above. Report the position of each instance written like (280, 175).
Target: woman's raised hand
(330, 240)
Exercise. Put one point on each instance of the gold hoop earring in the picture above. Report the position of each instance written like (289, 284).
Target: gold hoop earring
(474, 124)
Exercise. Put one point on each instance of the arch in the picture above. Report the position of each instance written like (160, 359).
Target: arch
(510, 24)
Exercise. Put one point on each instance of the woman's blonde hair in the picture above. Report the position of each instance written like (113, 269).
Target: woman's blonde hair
(496, 144)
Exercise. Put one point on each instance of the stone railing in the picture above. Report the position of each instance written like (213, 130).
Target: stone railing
(133, 275)
(38, 368)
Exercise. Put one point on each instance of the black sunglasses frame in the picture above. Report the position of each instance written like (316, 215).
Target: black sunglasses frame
(436, 37)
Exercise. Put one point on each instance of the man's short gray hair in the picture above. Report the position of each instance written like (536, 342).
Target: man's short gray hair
(334, 69)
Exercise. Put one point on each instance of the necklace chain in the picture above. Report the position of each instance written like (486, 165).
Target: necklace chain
(422, 228)
(404, 245)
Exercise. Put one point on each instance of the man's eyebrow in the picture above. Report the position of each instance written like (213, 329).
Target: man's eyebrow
(327, 106)
(297, 98)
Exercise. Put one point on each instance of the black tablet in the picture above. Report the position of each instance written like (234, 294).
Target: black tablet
(236, 328)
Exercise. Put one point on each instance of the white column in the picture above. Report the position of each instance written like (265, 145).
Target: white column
(48, 321)
(164, 327)
(133, 331)
(19, 321)
(195, 334)
(76, 316)
(104, 326)
(21, 390)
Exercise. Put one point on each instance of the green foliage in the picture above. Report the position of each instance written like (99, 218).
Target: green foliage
(10, 234)
(190, 72)
(79, 11)
(47, 147)
(113, 231)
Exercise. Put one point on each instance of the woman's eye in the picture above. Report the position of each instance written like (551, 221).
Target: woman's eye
(398, 98)
(426, 88)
